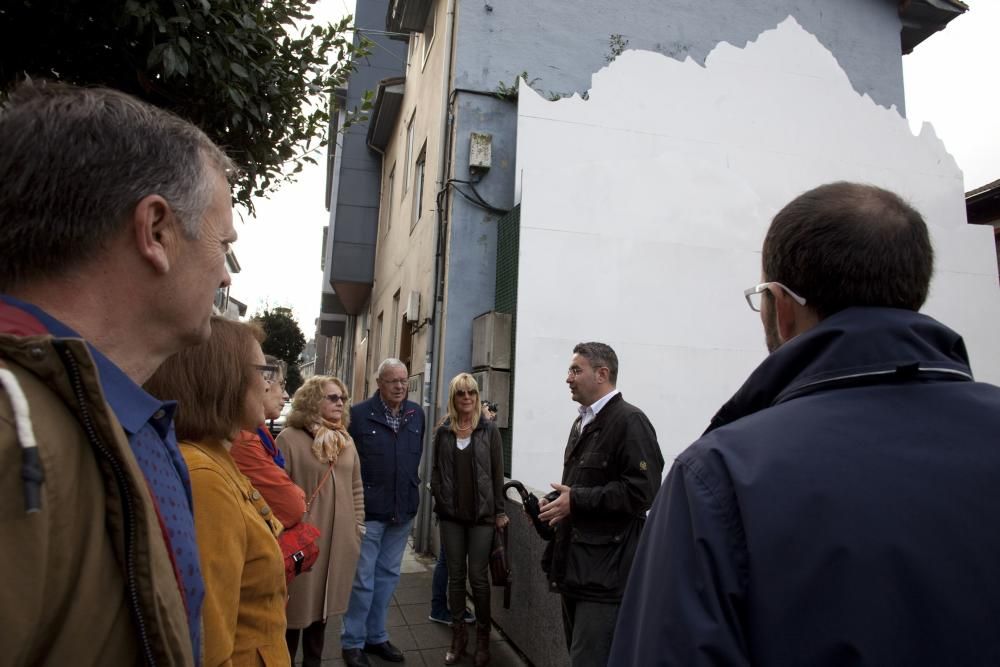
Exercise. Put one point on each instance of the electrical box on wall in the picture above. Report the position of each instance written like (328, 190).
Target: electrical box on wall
(491, 340)
(413, 307)
(494, 386)
(480, 151)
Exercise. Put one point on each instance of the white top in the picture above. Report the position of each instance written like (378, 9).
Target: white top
(589, 412)
(463, 442)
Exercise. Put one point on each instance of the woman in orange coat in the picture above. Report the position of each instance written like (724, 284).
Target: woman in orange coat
(219, 386)
(258, 457)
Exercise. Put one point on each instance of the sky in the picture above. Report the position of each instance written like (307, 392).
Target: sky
(948, 84)
(279, 249)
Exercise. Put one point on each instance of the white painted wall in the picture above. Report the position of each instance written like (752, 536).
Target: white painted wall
(643, 210)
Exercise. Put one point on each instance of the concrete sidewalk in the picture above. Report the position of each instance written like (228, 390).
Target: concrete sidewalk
(423, 642)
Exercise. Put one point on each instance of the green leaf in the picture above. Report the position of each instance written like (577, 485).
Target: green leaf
(238, 70)
(250, 73)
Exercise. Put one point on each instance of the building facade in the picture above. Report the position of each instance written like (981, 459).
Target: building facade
(417, 194)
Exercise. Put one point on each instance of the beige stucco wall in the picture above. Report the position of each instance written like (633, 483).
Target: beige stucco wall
(405, 250)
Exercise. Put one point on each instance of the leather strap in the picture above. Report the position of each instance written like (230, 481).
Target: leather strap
(319, 487)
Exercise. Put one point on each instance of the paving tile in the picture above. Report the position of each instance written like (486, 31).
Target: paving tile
(431, 635)
(416, 614)
(413, 594)
(416, 580)
(394, 617)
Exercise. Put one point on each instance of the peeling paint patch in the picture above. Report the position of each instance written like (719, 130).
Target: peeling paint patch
(643, 210)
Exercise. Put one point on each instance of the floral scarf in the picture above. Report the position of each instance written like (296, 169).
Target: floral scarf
(329, 440)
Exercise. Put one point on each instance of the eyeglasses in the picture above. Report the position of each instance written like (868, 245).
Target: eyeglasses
(281, 384)
(462, 393)
(753, 295)
(401, 382)
(336, 398)
(267, 372)
(576, 371)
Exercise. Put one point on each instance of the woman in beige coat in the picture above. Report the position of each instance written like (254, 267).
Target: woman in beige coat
(321, 458)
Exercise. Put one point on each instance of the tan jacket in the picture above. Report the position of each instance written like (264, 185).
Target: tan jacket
(338, 510)
(244, 612)
(65, 589)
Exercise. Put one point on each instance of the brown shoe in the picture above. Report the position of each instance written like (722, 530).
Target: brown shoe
(482, 656)
(459, 635)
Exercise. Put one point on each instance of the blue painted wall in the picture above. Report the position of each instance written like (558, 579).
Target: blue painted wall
(562, 43)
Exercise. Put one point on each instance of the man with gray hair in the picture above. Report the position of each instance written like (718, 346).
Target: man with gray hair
(388, 431)
(115, 219)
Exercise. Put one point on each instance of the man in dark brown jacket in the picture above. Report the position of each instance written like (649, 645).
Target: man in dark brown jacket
(115, 219)
(611, 474)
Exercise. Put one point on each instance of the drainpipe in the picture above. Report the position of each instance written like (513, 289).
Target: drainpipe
(422, 537)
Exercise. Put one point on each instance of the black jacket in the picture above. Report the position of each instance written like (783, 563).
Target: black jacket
(841, 510)
(613, 468)
(390, 461)
(487, 457)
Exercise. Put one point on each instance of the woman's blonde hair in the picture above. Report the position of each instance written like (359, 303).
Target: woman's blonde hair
(306, 401)
(462, 382)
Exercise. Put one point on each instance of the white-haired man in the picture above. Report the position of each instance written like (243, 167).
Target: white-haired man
(388, 431)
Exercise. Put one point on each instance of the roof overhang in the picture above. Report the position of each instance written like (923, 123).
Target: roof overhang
(982, 205)
(385, 111)
(407, 15)
(923, 18)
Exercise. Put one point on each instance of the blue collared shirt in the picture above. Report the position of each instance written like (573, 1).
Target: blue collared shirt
(149, 427)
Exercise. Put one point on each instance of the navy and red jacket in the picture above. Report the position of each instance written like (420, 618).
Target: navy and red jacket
(390, 461)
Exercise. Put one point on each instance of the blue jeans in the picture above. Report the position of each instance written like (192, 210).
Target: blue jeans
(374, 583)
(439, 587)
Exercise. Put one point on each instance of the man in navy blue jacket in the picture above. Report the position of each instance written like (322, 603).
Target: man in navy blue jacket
(388, 431)
(842, 507)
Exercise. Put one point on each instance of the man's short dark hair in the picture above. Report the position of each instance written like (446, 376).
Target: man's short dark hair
(74, 162)
(847, 244)
(600, 354)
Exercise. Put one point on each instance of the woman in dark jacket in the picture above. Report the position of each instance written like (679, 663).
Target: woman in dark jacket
(467, 483)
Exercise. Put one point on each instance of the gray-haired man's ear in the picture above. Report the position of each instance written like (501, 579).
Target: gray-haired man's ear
(156, 231)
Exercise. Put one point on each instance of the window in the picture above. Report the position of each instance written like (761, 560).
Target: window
(418, 186)
(409, 152)
(428, 37)
(394, 324)
(385, 217)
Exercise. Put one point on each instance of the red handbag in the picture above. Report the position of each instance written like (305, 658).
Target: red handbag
(298, 543)
(298, 546)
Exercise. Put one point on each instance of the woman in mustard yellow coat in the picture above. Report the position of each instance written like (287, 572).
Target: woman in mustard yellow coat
(219, 386)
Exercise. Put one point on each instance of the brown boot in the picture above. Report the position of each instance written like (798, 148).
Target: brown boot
(458, 638)
(482, 656)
